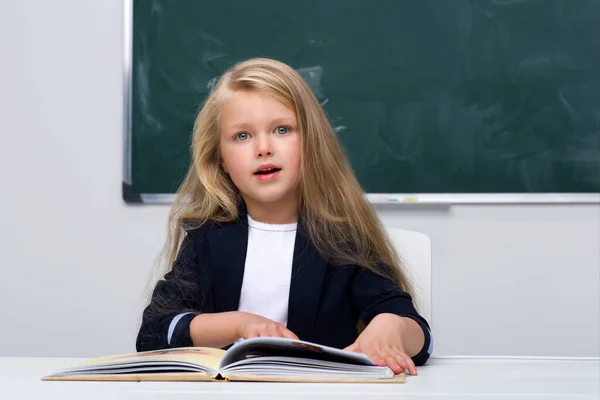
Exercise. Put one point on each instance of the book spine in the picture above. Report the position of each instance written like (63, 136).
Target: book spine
(219, 377)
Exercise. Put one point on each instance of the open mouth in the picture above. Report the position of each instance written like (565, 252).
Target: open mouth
(267, 171)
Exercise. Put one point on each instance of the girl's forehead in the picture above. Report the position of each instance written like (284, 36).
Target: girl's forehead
(253, 105)
(252, 97)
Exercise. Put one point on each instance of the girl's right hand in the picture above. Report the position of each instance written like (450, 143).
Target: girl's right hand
(251, 325)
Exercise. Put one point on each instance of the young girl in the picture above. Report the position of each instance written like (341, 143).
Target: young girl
(271, 235)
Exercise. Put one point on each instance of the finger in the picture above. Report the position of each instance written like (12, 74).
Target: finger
(412, 369)
(276, 330)
(273, 331)
(243, 332)
(406, 362)
(286, 333)
(392, 362)
(262, 330)
(377, 358)
(251, 333)
(375, 355)
(353, 347)
(402, 362)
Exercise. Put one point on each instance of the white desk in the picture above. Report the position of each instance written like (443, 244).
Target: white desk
(440, 378)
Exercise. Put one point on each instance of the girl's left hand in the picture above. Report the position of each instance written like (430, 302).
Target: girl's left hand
(382, 342)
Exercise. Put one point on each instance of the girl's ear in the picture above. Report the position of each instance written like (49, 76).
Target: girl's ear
(224, 167)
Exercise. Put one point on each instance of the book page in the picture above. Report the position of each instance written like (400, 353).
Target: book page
(203, 357)
(290, 366)
(282, 347)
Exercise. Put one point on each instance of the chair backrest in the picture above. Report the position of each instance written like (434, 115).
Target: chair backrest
(414, 249)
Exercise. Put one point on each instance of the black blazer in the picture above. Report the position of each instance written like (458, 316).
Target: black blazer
(325, 301)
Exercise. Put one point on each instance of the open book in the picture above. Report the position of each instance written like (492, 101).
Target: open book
(256, 359)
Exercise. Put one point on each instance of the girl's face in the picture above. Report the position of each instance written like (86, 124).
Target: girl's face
(260, 147)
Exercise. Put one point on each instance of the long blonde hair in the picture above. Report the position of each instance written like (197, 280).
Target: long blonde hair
(337, 217)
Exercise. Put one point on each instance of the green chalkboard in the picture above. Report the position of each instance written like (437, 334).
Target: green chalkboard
(427, 96)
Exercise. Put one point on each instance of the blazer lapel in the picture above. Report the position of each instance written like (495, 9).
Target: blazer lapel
(308, 272)
(228, 246)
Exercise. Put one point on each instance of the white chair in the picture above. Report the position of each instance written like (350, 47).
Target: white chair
(414, 250)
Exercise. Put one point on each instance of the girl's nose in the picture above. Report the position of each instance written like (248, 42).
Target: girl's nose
(263, 146)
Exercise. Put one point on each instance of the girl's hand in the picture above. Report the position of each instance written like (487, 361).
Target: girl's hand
(382, 342)
(250, 325)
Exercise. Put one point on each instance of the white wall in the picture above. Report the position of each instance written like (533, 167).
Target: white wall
(508, 279)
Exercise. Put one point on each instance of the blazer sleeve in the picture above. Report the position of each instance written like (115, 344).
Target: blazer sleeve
(178, 292)
(373, 294)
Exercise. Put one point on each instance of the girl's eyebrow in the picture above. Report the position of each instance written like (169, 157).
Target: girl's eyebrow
(276, 121)
(284, 120)
(239, 125)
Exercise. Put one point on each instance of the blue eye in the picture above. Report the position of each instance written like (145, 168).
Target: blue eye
(282, 130)
(242, 136)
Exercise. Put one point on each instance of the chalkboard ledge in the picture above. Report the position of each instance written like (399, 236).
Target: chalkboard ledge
(131, 196)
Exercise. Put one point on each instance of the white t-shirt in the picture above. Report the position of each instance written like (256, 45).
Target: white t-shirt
(268, 270)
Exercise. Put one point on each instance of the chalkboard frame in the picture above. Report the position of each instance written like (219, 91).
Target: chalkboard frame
(442, 199)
